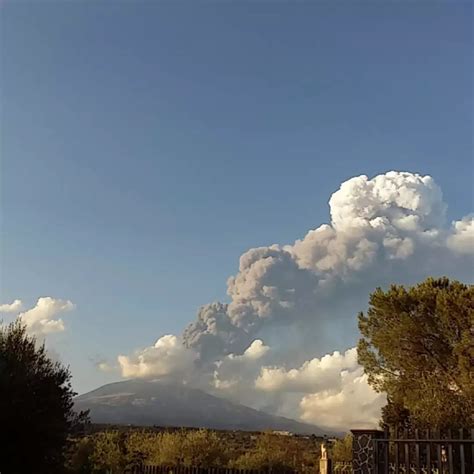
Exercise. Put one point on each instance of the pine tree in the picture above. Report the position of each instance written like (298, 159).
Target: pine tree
(417, 345)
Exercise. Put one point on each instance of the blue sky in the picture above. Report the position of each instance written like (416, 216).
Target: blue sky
(146, 145)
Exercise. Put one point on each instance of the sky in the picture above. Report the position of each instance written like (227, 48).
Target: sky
(145, 146)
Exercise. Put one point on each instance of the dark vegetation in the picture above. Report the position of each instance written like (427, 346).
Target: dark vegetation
(36, 406)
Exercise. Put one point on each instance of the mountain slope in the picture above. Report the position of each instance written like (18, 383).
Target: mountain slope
(138, 402)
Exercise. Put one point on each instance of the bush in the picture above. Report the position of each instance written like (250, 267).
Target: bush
(342, 449)
(276, 453)
(203, 448)
(108, 454)
(80, 456)
(112, 452)
(142, 447)
(170, 449)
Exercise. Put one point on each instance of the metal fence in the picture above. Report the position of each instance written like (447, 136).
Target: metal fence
(146, 469)
(425, 452)
(342, 467)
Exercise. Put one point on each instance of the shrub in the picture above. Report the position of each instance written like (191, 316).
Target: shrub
(107, 456)
(342, 449)
(276, 453)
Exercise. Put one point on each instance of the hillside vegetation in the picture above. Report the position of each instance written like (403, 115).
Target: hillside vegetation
(113, 451)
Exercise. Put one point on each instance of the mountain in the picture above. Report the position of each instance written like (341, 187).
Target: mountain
(138, 402)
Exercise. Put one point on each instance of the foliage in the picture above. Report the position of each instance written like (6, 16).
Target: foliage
(342, 449)
(107, 455)
(203, 448)
(114, 451)
(417, 345)
(170, 452)
(274, 453)
(79, 459)
(36, 405)
(394, 414)
(140, 447)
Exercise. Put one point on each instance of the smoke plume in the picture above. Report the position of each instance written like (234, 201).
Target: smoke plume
(291, 304)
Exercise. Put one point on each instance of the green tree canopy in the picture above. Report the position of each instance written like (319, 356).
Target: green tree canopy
(36, 407)
(342, 449)
(417, 345)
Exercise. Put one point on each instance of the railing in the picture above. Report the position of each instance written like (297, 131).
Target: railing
(342, 467)
(425, 453)
(147, 469)
(412, 469)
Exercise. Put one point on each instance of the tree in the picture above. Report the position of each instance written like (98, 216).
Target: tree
(107, 456)
(342, 449)
(203, 448)
(417, 345)
(275, 453)
(36, 405)
(79, 456)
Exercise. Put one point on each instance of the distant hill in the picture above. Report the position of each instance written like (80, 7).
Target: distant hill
(143, 403)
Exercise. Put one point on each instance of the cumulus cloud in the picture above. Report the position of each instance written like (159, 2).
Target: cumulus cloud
(335, 391)
(235, 371)
(354, 405)
(314, 375)
(302, 300)
(167, 356)
(43, 318)
(13, 307)
(462, 238)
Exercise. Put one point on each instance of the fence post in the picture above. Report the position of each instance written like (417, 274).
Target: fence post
(325, 466)
(364, 452)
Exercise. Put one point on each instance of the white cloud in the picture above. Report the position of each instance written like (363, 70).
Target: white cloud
(43, 318)
(462, 238)
(13, 307)
(236, 372)
(406, 201)
(255, 351)
(315, 374)
(167, 356)
(354, 405)
(333, 389)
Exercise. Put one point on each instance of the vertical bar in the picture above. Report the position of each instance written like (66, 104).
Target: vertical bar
(450, 453)
(397, 456)
(472, 449)
(428, 452)
(376, 456)
(407, 457)
(417, 453)
(462, 459)
(386, 450)
(440, 462)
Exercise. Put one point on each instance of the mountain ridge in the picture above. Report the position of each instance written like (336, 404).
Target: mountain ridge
(158, 403)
